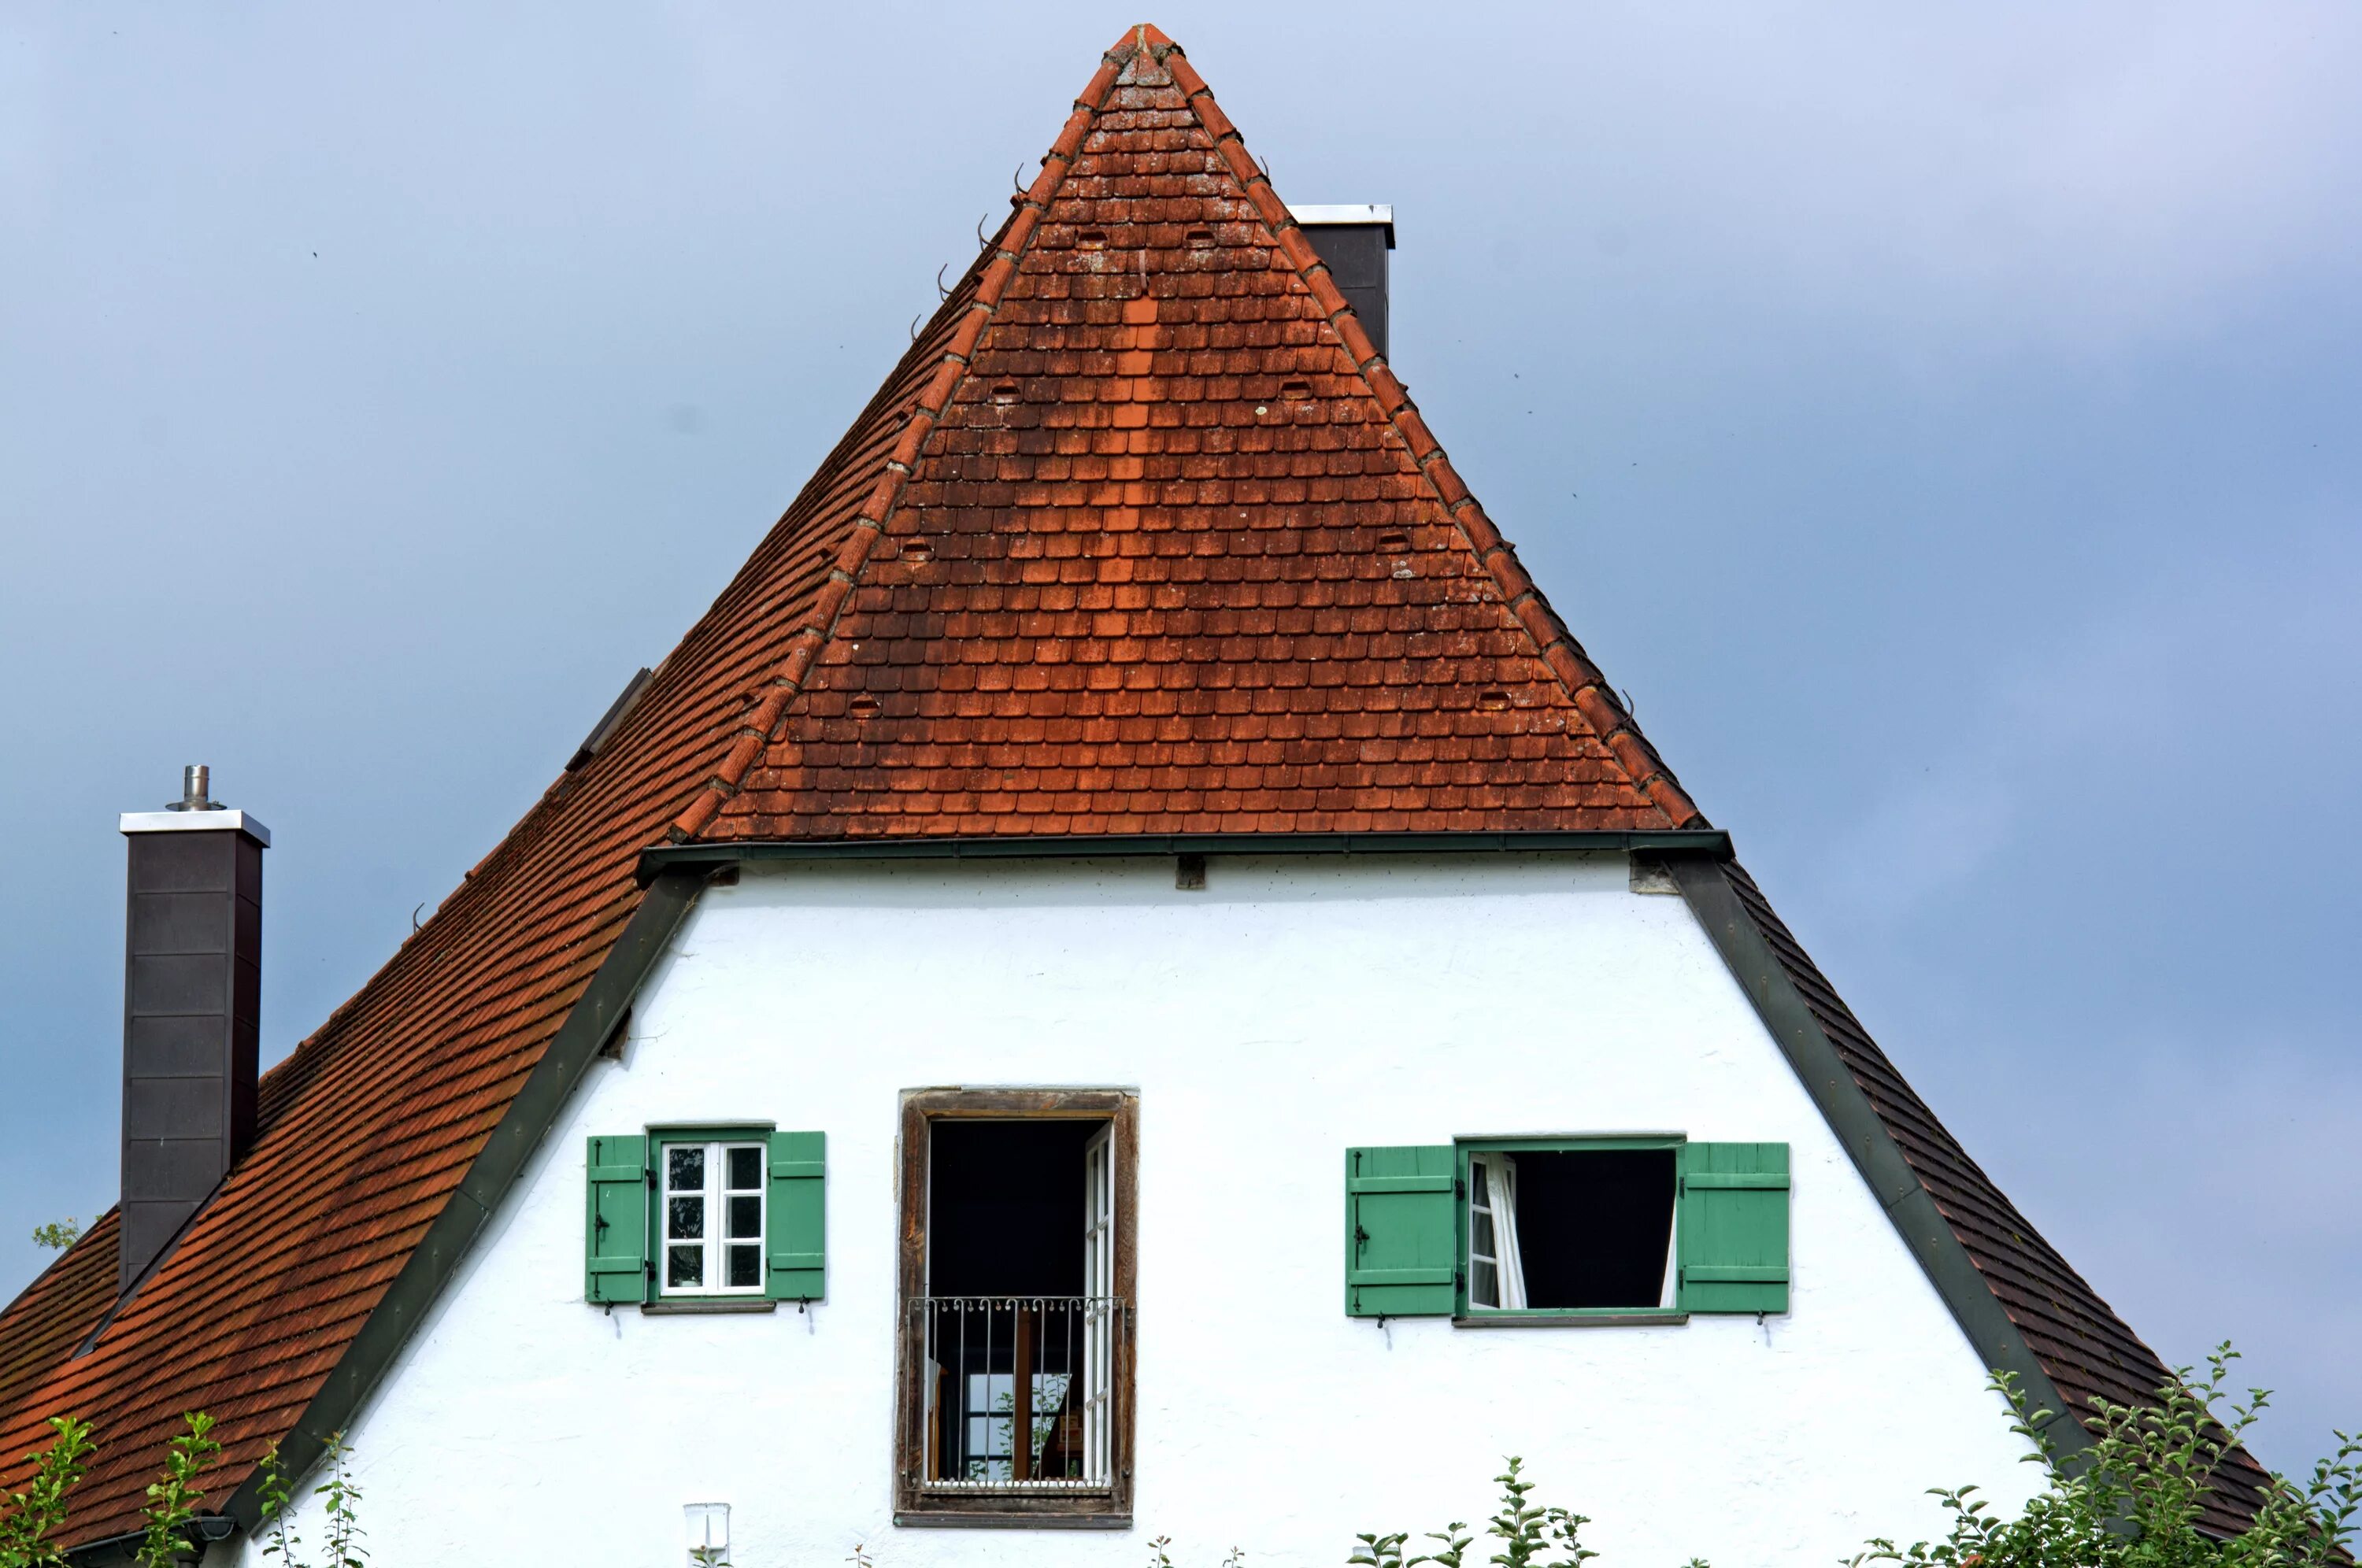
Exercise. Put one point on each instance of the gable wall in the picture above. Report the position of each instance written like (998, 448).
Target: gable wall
(1294, 1007)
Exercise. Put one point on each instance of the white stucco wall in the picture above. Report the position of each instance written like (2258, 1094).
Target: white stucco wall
(1293, 1008)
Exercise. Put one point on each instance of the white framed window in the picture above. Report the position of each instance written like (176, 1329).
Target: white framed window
(713, 1220)
(1496, 1272)
(1098, 1284)
(1484, 1262)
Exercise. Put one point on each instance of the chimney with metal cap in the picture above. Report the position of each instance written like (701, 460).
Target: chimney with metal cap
(192, 995)
(1353, 241)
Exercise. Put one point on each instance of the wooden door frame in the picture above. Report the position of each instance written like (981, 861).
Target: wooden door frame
(921, 1109)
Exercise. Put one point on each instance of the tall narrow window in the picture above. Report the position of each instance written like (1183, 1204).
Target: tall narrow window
(713, 1220)
(1016, 1370)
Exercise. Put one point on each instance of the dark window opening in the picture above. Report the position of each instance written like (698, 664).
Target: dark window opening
(1005, 1208)
(1589, 1227)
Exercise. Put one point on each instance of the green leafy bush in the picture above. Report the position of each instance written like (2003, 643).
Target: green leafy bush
(2137, 1497)
(31, 1520)
(174, 1497)
(339, 1497)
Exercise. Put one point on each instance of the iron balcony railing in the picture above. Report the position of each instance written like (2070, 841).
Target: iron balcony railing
(1018, 1393)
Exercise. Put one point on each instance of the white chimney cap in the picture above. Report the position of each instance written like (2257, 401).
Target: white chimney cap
(1379, 213)
(197, 822)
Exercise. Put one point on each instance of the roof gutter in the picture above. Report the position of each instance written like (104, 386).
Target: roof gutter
(1707, 844)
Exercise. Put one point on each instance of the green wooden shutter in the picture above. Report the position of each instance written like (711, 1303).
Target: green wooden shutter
(1734, 1228)
(797, 1220)
(1401, 1247)
(615, 1233)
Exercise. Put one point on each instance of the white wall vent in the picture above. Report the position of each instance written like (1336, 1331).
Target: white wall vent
(708, 1533)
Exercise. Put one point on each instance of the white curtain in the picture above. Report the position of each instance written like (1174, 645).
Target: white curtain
(1501, 1184)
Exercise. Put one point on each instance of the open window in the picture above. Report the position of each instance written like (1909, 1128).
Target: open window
(1570, 1229)
(1015, 1396)
(1590, 1230)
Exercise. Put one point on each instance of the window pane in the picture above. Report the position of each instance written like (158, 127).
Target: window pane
(1483, 1286)
(746, 1265)
(684, 1265)
(745, 1217)
(1480, 1187)
(685, 1218)
(1480, 1233)
(746, 1169)
(684, 1167)
(992, 1432)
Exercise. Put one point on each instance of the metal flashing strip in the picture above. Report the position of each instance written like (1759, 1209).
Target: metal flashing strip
(529, 1117)
(1375, 213)
(219, 820)
(1710, 844)
(1847, 1109)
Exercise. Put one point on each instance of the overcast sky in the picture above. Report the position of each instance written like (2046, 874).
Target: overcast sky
(1941, 420)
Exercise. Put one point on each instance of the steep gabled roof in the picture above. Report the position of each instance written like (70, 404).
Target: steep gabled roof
(1163, 546)
(1140, 536)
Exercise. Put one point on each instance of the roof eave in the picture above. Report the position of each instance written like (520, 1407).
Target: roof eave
(1709, 843)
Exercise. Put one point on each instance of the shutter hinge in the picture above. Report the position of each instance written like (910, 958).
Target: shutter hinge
(1459, 1187)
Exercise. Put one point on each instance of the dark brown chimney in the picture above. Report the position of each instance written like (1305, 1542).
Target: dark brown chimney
(1352, 241)
(192, 990)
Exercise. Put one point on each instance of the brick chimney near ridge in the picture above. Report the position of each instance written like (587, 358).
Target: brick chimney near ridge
(192, 993)
(1353, 241)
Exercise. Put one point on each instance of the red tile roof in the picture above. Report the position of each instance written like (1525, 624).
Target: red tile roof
(1140, 536)
(1163, 546)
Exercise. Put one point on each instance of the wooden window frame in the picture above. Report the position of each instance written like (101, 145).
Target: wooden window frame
(921, 1109)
